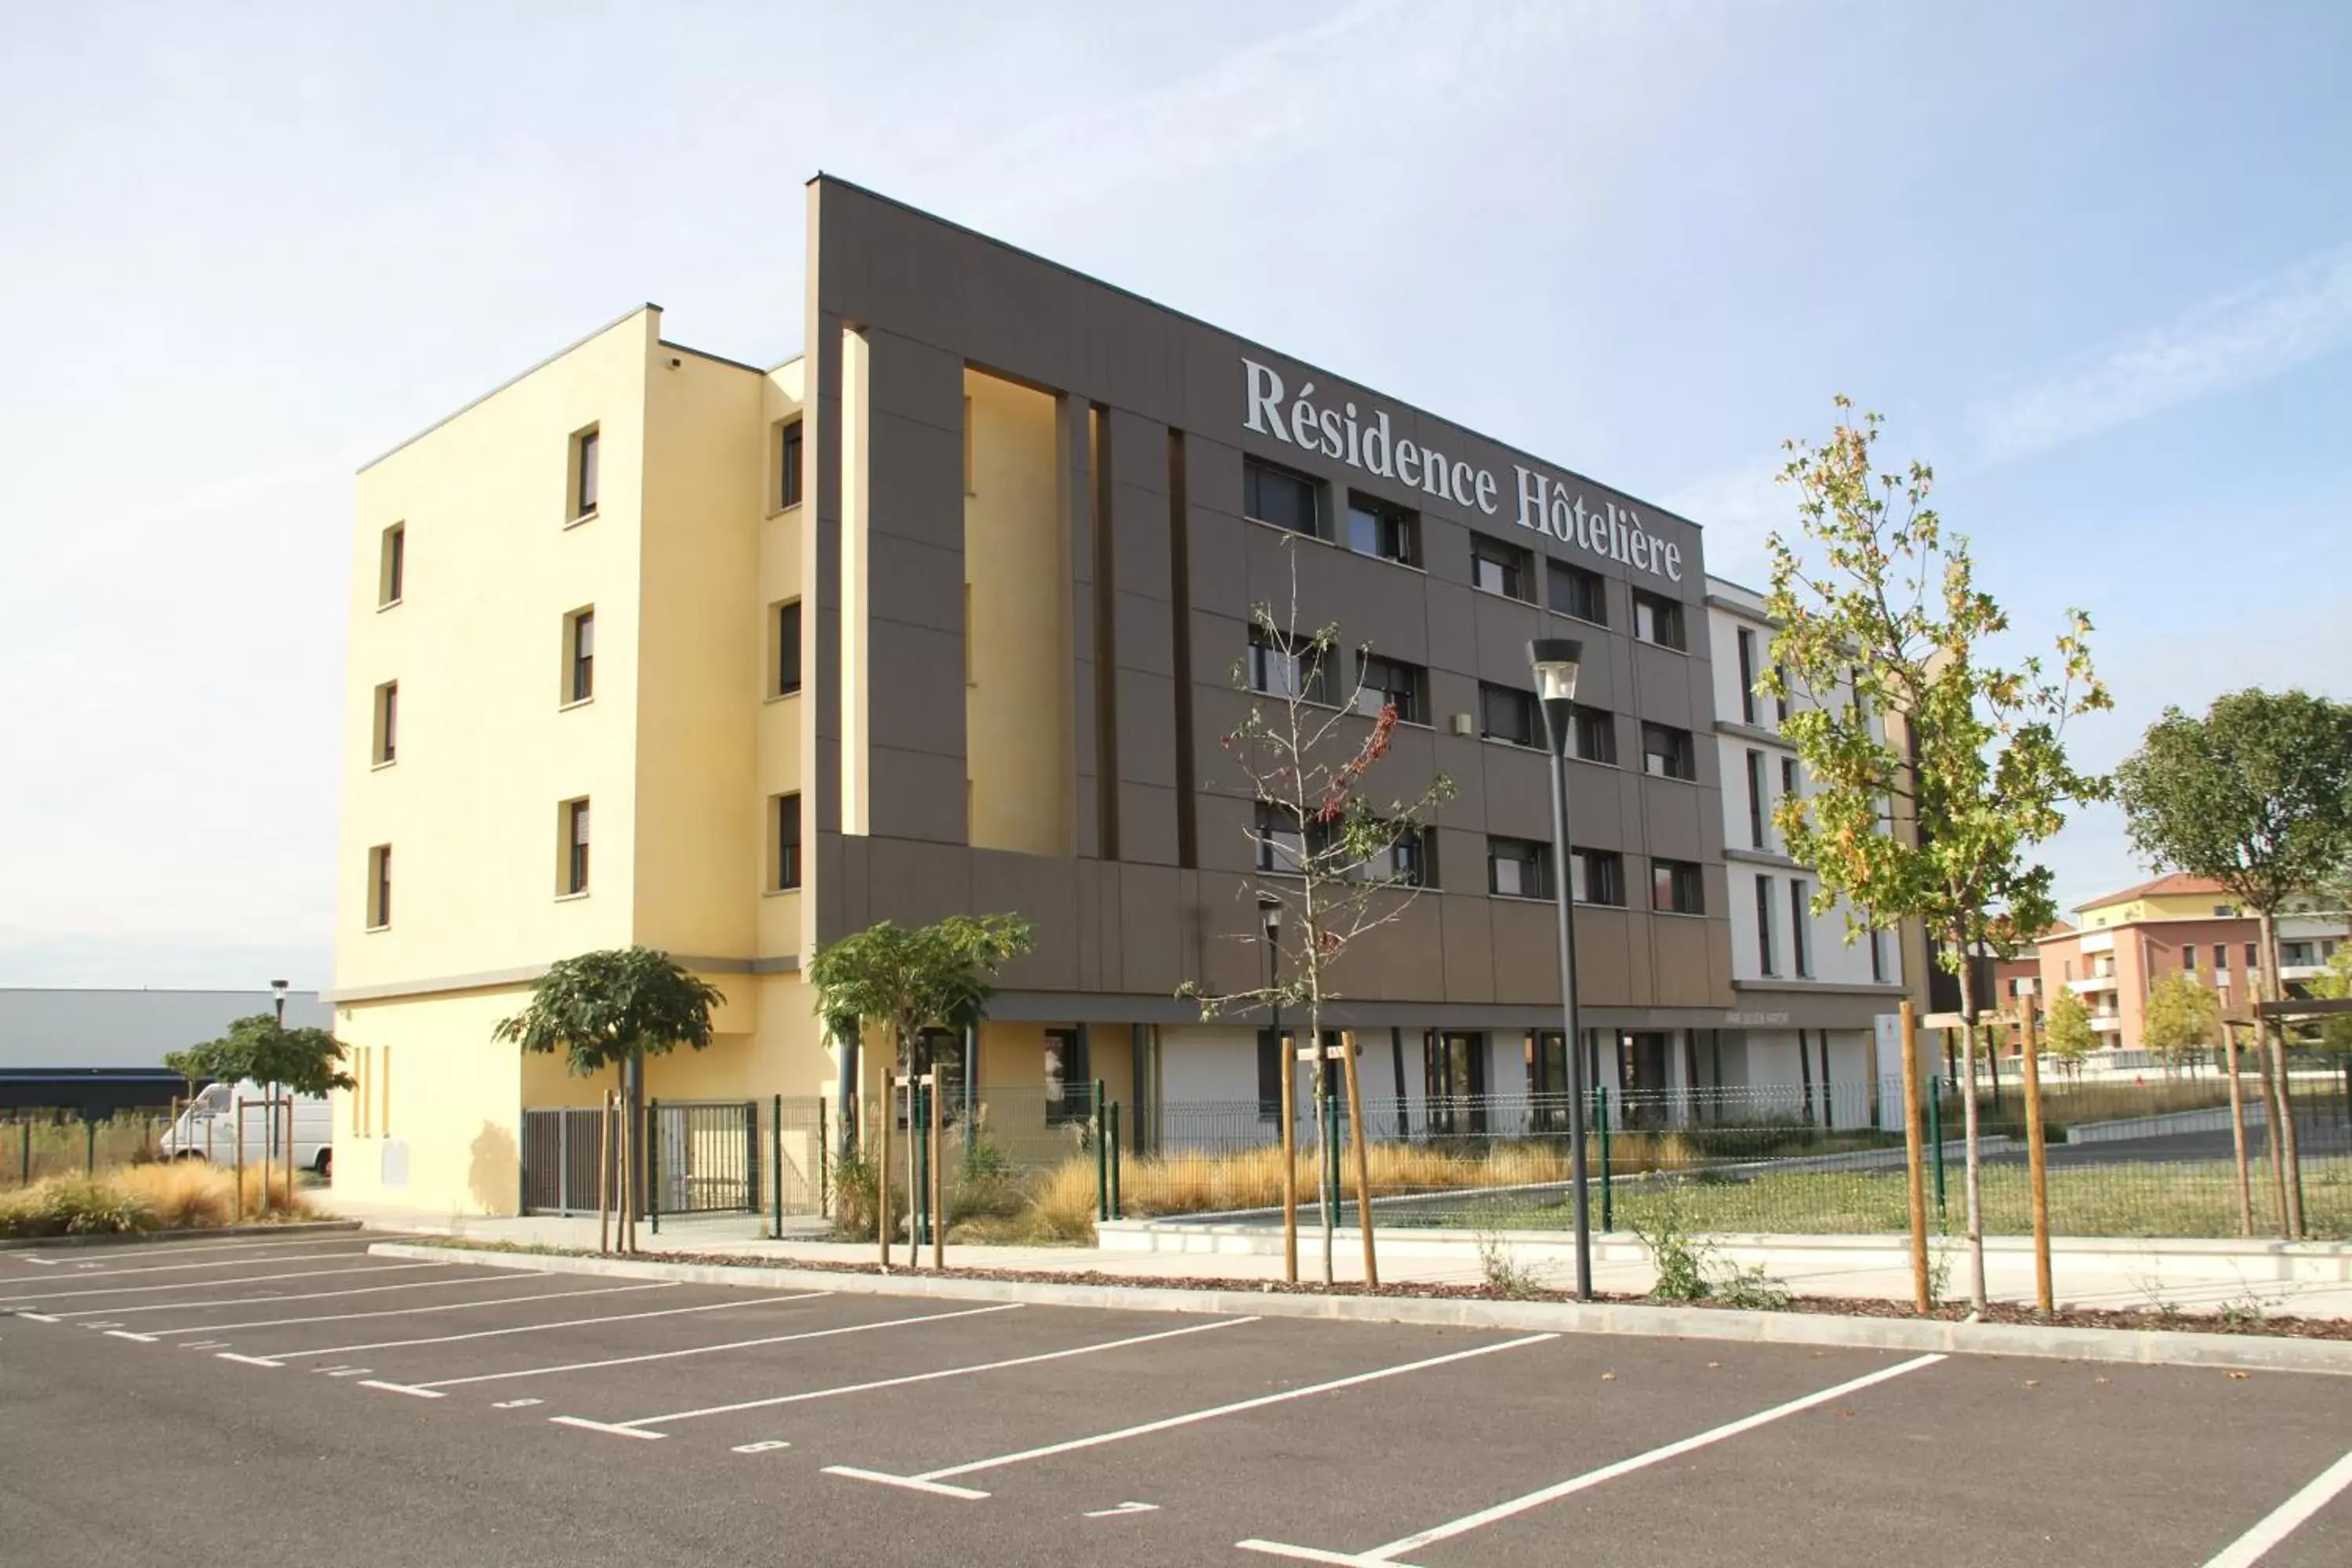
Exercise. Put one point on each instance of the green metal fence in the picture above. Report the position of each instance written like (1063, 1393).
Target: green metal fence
(36, 1145)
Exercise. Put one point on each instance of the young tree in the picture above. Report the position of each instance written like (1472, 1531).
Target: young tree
(302, 1060)
(2182, 1016)
(1889, 620)
(2257, 796)
(1337, 860)
(2334, 1032)
(612, 1008)
(907, 979)
(2066, 1033)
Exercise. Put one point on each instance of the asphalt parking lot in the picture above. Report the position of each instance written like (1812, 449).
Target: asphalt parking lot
(299, 1400)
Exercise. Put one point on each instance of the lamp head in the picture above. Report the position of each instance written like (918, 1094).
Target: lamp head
(1270, 914)
(1554, 661)
(279, 988)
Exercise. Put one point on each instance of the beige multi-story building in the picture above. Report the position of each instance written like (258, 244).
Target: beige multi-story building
(652, 646)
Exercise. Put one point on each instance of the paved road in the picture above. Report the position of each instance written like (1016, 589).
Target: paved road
(299, 1402)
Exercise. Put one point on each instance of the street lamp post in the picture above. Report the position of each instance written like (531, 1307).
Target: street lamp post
(1555, 662)
(278, 989)
(1270, 914)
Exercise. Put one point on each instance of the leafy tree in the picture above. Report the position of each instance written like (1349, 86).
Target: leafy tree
(2257, 796)
(302, 1060)
(612, 1008)
(2066, 1032)
(1340, 861)
(907, 979)
(2335, 1032)
(1889, 620)
(2182, 1016)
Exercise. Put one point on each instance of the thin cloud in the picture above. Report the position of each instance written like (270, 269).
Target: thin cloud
(2234, 340)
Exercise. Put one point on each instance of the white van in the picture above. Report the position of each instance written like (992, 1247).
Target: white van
(207, 1130)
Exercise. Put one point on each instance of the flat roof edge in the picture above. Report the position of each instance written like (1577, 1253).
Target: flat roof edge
(518, 376)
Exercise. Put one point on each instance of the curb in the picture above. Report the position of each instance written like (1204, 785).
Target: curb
(149, 1237)
(2145, 1347)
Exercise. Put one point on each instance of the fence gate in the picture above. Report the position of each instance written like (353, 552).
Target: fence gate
(703, 1157)
(559, 1160)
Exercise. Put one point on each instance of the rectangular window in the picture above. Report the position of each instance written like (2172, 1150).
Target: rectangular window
(1800, 927)
(580, 656)
(573, 877)
(1281, 498)
(392, 568)
(1596, 735)
(1668, 752)
(379, 890)
(1376, 528)
(1676, 888)
(788, 843)
(788, 464)
(1781, 701)
(1516, 868)
(1599, 876)
(387, 722)
(2253, 963)
(1069, 1084)
(1280, 845)
(1767, 959)
(1573, 591)
(1412, 860)
(1789, 777)
(583, 474)
(1657, 620)
(1499, 568)
(1392, 682)
(1756, 812)
(787, 662)
(1504, 714)
(1748, 679)
(2189, 957)
(1288, 669)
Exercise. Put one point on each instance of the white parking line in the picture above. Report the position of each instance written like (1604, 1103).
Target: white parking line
(631, 1427)
(429, 1389)
(1390, 1555)
(345, 1250)
(266, 1299)
(2283, 1520)
(256, 1280)
(929, 1480)
(542, 1328)
(414, 1311)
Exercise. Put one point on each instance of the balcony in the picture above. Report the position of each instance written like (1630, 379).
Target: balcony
(2092, 985)
(2106, 1023)
(2097, 942)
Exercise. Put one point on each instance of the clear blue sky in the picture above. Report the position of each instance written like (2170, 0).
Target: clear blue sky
(2094, 260)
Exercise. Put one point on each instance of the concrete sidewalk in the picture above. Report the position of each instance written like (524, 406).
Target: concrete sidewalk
(2276, 1278)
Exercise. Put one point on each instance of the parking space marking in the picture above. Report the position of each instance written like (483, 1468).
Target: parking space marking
(264, 1261)
(909, 1483)
(36, 1317)
(2284, 1519)
(256, 1280)
(431, 1388)
(929, 1480)
(1391, 1553)
(127, 1334)
(677, 1416)
(417, 1311)
(500, 1278)
(542, 1328)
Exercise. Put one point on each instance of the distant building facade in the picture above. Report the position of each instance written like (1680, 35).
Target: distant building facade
(91, 1052)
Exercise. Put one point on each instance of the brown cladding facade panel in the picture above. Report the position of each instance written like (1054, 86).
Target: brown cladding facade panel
(1156, 412)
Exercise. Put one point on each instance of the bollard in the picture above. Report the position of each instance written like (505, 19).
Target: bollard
(653, 1163)
(776, 1121)
(1936, 1135)
(1118, 1211)
(1102, 1159)
(1608, 1187)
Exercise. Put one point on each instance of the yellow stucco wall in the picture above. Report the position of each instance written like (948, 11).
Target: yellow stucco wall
(2161, 907)
(448, 1096)
(1017, 720)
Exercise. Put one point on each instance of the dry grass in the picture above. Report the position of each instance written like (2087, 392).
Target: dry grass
(182, 1196)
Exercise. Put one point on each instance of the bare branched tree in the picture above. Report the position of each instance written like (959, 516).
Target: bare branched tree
(1338, 860)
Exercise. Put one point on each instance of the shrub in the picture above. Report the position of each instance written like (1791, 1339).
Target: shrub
(1753, 1290)
(1503, 1272)
(1680, 1256)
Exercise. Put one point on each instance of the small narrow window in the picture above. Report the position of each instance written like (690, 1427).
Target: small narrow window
(1070, 1083)
(1800, 922)
(2189, 958)
(1780, 701)
(788, 842)
(1788, 777)
(1676, 888)
(387, 722)
(392, 570)
(1757, 814)
(1504, 714)
(379, 893)
(1747, 640)
(1281, 498)
(787, 662)
(788, 464)
(1767, 959)
(1657, 620)
(583, 474)
(580, 656)
(573, 878)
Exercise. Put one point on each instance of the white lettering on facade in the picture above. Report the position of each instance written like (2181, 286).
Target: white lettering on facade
(1545, 505)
